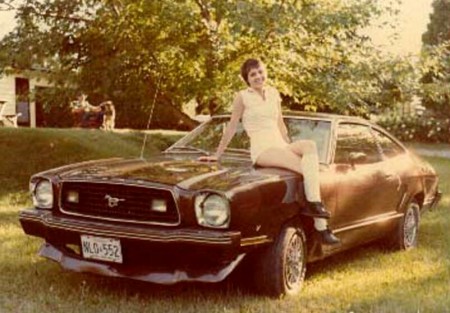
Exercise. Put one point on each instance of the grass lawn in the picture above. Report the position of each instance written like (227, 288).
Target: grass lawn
(368, 279)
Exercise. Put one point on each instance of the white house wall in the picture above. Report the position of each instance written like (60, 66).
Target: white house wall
(8, 93)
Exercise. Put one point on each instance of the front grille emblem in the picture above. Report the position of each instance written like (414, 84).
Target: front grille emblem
(113, 202)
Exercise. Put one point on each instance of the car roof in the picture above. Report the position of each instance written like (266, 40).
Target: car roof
(318, 115)
(328, 116)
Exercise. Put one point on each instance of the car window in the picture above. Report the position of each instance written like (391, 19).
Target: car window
(388, 146)
(208, 136)
(356, 138)
(311, 129)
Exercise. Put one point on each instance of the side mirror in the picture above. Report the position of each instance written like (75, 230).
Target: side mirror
(356, 158)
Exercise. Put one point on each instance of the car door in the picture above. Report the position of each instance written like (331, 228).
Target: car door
(365, 186)
(397, 167)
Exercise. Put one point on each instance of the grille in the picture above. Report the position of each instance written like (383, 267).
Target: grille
(134, 204)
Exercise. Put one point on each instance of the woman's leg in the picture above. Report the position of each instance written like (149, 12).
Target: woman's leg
(301, 157)
(307, 152)
(280, 157)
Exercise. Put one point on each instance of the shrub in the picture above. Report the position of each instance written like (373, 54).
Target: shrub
(418, 128)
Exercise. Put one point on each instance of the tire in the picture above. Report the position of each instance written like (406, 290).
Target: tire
(280, 268)
(406, 234)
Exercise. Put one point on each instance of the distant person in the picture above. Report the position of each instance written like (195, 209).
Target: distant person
(87, 111)
(109, 115)
(259, 106)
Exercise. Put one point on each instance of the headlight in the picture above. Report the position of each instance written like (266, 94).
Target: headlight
(42, 192)
(212, 210)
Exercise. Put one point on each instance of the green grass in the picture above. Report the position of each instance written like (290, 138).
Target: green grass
(367, 279)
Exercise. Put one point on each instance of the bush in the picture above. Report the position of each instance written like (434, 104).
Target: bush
(418, 128)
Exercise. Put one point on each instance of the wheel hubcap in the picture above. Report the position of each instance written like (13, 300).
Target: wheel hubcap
(294, 261)
(410, 228)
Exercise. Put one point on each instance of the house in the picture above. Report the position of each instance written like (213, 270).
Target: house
(16, 90)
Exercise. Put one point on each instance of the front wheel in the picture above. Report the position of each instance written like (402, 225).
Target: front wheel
(405, 236)
(280, 268)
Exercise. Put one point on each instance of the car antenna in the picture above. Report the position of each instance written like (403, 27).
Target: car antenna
(150, 116)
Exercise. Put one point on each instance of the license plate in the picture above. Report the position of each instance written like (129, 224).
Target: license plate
(100, 248)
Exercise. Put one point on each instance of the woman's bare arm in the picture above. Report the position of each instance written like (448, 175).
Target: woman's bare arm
(236, 114)
(282, 125)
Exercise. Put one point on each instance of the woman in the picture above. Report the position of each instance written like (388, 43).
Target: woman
(259, 106)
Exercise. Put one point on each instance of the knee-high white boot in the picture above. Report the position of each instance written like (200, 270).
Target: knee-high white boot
(311, 182)
(320, 224)
(310, 170)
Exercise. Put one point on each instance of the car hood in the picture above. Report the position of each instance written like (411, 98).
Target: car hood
(183, 172)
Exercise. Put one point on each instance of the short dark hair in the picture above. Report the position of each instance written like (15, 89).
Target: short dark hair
(247, 66)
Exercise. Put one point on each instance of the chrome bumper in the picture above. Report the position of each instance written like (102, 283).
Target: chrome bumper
(39, 223)
(221, 249)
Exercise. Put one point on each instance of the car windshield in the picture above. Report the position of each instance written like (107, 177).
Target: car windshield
(206, 137)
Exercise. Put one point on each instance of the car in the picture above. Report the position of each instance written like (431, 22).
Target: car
(171, 218)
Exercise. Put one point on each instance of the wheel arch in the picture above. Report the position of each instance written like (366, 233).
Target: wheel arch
(419, 197)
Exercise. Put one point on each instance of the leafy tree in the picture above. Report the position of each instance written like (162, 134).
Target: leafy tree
(438, 30)
(130, 50)
(436, 61)
(435, 88)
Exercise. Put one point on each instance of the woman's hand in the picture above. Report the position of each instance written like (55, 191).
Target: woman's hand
(208, 158)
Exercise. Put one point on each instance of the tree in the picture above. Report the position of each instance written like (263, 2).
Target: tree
(438, 30)
(435, 61)
(131, 50)
(435, 87)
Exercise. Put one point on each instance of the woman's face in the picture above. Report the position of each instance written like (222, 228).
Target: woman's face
(257, 77)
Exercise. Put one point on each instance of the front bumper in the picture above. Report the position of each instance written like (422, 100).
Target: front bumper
(159, 255)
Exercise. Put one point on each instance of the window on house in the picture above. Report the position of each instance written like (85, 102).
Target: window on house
(22, 101)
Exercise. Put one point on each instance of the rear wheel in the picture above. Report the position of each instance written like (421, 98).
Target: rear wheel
(405, 236)
(280, 268)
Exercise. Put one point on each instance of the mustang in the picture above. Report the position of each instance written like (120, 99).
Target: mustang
(172, 218)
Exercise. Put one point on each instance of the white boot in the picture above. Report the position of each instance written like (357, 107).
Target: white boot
(311, 181)
(310, 169)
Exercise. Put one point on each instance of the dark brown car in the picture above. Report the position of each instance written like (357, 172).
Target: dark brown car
(172, 218)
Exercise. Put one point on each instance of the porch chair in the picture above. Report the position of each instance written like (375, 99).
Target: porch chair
(7, 119)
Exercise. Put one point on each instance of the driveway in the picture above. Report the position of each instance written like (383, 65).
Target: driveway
(433, 153)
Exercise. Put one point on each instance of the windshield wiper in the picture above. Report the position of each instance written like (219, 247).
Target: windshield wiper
(187, 149)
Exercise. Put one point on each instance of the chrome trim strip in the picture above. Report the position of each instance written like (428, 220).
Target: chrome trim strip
(255, 240)
(378, 219)
(177, 237)
(116, 219)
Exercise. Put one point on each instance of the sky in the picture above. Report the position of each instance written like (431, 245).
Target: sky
(6, 22)
(412, 23)
(413, 18)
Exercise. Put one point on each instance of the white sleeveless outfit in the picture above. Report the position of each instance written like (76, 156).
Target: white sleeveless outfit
(260, 120)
